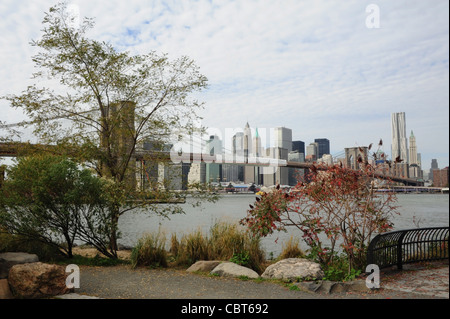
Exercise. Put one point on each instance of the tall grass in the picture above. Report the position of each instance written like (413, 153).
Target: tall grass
(224, 242)
(291, 249)
(150, 251)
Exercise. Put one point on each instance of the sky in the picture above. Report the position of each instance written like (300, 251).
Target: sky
(325, 69)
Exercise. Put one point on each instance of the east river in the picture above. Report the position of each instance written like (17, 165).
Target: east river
(416, 210)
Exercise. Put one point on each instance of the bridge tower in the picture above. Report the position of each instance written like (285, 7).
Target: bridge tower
(353, 153)
(119, 135)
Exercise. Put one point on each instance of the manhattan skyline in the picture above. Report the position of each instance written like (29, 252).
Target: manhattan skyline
(312, 66)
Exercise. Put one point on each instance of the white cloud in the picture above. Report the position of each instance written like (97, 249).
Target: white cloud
(309, 65)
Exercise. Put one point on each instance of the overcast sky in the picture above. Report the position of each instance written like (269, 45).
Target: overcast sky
(312, 66)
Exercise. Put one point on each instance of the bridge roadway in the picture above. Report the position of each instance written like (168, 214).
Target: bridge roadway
(13, 149)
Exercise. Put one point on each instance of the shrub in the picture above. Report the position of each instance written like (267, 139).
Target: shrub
(17, 243)
(336, 210)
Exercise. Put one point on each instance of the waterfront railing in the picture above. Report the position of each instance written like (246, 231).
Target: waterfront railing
(408, 246)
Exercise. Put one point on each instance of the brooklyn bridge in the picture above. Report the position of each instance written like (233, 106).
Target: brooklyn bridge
(14, 149)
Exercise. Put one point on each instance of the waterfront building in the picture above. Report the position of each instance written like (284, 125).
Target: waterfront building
(213, 170)
(441, 177)
(296, 174)
(238, 156)
(276, 175)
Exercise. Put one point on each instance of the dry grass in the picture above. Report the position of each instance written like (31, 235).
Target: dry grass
(291, 249)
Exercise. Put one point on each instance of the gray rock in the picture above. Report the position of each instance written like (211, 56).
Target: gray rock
(204, 266)
(7, 260)
(294, 269)
(330, 287)
(229, 269)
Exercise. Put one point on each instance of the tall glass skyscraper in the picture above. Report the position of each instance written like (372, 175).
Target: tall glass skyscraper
(399, 139)
(324, 146)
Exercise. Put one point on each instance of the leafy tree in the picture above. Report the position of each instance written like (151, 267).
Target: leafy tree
(107, 102)
(336, 209)
(51, 200)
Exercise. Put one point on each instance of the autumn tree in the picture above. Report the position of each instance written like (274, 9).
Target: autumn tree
(336, 210)
(106, 103)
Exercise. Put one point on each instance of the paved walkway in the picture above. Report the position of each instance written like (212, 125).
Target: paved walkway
(418, 281)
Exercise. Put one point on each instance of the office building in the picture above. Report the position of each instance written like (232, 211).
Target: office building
(440, 177)
(399, 139)
(323, 146)
(434, 165)
(298, 146)
(296, 174)
(282, 138)
(312, 150)
(213, 170)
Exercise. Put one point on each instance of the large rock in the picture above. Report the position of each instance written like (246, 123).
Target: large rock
(7, 260)
(294, 269)
(37, 280)
(204, 266)
(229, 269)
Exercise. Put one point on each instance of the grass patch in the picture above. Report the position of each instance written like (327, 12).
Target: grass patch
(291, 249)
(150, 251)
(225, 241)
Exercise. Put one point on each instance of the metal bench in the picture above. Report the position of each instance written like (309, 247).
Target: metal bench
(408, 246)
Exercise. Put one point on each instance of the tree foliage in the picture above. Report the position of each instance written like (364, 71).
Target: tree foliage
(336, 210)
(106, 103)
(51, 200)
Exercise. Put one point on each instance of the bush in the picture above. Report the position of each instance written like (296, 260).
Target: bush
(150, 251)
(17, 243)
(50, 199)
(291, 249)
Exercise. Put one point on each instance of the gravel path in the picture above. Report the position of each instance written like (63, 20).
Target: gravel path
(123, 282)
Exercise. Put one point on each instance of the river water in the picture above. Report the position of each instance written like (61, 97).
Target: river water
(427, 210)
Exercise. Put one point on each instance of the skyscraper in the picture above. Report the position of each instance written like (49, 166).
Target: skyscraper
(415, 170)
(323, 146)
(298, 146)
(399, 140)
(434, 165)
(282, 138)
(412, 149)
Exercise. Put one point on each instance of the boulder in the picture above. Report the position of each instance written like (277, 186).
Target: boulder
(37, 280)
(294, 269)
(204, 266)
(229, 269)
(7, 260)
(5, 292)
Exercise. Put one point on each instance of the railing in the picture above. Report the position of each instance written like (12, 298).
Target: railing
(408, 246)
